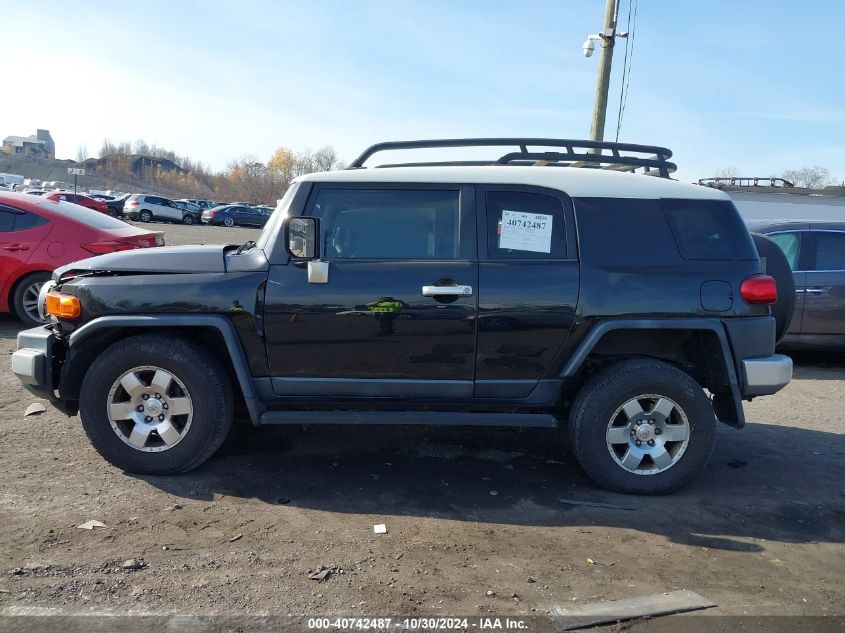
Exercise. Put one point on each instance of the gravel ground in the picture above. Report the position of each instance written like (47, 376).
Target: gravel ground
(475, 522)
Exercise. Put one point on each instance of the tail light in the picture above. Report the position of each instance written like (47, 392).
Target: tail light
(759, 289)
(131, 243)
(132, 203)
(211, 214)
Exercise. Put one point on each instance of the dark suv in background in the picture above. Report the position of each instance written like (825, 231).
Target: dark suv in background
(524, 292)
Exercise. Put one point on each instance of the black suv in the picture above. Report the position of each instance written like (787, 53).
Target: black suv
(517, 292)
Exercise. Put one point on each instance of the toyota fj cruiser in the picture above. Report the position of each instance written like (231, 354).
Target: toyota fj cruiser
(520, 292)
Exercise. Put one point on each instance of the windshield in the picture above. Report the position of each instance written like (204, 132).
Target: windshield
(274, 224)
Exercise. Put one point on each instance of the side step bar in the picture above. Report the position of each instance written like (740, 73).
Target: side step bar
(409, 417)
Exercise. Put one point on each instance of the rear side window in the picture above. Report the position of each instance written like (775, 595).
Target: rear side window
(7, 221)
(15, 220)
(522, 225)
(790, 244)
(830, 251)
(709, 229)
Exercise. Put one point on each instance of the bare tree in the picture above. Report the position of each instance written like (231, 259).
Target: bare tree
(81, 153)
(810, 177)
(727, 172)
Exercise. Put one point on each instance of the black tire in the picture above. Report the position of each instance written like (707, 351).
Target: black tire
(23, 292)
(778, 267)
(187, 219)
(230, 222)
(205, 380)
(606, 392)
(145, 216)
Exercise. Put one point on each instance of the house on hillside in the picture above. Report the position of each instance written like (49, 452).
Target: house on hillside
(39, 145)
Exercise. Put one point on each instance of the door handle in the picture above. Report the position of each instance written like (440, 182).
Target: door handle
(815, 291)
(15, 247)
(447, 291)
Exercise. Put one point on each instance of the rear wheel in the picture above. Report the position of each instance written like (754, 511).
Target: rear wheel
(25, 299)
(642, 427)
(229, 221)
(156, 405)
(145, 216)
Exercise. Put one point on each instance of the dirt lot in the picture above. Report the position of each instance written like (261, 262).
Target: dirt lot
(468, 512)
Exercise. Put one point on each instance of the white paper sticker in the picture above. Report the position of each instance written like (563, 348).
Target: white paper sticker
(526, 232)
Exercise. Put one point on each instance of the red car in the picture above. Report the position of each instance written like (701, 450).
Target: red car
(38, 234)
(78, 198)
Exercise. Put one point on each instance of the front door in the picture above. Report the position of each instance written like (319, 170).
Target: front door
(824, 293)
(397, 316)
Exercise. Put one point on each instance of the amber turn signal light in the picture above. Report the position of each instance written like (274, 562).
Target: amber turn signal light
(63, 306)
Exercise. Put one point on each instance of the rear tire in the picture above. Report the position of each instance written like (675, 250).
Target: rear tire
(25, 298)
(230, 222)
(195, 384)
(777, 266)
(145, 216)
(667, 403)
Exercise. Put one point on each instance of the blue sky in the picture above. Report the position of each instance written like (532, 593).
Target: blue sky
(753, 85)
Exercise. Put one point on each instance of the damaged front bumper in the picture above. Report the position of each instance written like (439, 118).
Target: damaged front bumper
(32, 363)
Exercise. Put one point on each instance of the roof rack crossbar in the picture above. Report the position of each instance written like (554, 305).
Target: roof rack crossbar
(656, 159)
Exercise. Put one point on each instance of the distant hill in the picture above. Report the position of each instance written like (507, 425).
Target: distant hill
(131, 173)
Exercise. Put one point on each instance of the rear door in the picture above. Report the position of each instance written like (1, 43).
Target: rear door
(396, 317)
(795, 245)
(528, 286)
(824, 293)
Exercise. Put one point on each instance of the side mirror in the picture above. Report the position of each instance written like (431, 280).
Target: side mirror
(302, 237)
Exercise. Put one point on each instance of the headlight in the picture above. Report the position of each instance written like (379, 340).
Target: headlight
(42, 299)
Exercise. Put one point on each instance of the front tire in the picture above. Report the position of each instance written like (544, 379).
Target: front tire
(643, 427)
(188, 219)
(156, 405)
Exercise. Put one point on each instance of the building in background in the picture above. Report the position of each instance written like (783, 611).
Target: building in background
(39, 145)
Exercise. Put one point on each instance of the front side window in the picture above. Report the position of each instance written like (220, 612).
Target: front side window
(523, 225)
(830, 251)
(392, 224)
(790, 244)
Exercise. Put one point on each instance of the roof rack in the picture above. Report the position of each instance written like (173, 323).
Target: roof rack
(738, 181)
(650, 159)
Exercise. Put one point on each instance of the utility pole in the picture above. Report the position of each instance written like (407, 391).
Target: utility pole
(607, 38)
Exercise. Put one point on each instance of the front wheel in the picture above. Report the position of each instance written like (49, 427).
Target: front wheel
(156, 405)
(188, 219)
(643, 427)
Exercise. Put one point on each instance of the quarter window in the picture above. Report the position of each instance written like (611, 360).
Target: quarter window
(390, 224)
(830, 251)
(523, 225)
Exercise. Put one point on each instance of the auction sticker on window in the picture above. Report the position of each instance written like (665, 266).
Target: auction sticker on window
(526, 232)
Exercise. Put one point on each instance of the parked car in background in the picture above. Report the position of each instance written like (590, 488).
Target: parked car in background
(100, 196)
(236, 215)
(80, 199)
(815, 251)
(38, 235)
(202, 204)
(36, 192)
(146, 208)
(115, 205)
(192, 212)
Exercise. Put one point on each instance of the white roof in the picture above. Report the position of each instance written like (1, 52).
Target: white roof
(574, 181)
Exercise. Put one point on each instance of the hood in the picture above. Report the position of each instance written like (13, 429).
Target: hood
(163, 259)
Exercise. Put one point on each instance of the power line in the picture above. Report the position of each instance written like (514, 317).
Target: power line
(626, 65)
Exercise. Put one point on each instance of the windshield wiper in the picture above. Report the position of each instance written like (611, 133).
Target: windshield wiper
(245, 247)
